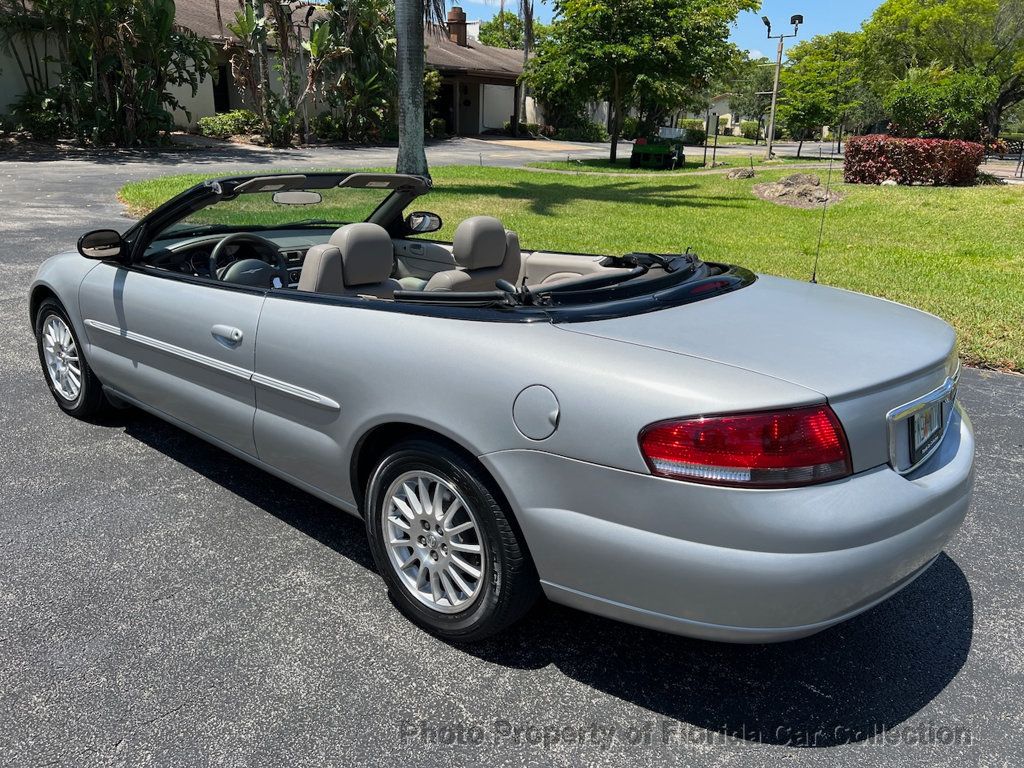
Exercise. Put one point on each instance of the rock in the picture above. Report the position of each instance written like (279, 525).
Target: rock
(889, 183)
(741, 173)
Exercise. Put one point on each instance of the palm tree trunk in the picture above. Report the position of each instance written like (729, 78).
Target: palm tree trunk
(412, 157)
(527, 9)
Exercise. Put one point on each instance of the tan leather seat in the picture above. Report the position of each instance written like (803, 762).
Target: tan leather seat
(356, 261)
(485, 251)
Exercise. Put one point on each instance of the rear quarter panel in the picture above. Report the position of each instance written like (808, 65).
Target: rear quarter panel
(461, 378)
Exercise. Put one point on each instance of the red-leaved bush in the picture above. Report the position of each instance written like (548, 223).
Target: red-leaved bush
(874, 159)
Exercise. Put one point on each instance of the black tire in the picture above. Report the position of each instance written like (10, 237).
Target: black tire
(509, 584)
(90, 399)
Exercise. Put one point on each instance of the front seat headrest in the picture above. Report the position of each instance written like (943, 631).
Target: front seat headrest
(367, 253)
(479, 243)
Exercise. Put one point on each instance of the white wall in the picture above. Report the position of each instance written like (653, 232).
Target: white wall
(12, 84)
(534, 112)
(200, 105)
(498, 105)
(598, 112)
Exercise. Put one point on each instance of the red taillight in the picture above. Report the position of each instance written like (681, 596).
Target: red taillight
(794, 447)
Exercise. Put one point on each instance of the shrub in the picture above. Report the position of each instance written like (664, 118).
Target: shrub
(694, 131)
(630, 127)
(327, 127)
(525, 129)
(586, 131)
(438, 128)
(234, 123)
(39, 115)
(750, 129)
(874, 159)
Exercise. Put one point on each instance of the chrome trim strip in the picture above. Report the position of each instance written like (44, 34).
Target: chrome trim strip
(944, 393)
(301, 393)
(245, 374)
(180, 352)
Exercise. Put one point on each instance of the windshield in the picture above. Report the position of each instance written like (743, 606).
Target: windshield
(259, 210)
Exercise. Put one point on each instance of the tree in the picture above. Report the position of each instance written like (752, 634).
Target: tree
(985, 37)
(505, 30)
(410, 16)
(750, 95)
(938, 103)
(615, 45)
(821, 85)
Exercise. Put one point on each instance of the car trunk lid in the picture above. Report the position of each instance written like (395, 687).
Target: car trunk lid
(865, 355)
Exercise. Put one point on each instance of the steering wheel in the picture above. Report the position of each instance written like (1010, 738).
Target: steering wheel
(251, 274)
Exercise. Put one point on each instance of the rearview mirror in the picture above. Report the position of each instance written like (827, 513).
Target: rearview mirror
(101, 244)
(423, 221)
(297, 197)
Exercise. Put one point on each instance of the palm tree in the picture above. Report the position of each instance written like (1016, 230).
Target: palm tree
(410, 16)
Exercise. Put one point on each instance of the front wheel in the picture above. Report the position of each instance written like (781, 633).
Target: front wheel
(72, 383)
(445, 545)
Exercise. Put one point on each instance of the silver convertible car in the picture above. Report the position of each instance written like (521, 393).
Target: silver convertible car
(665, 441)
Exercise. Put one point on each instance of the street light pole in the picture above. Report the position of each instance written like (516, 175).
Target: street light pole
(796, 21)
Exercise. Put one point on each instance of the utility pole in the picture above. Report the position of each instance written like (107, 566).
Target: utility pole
(796, 21)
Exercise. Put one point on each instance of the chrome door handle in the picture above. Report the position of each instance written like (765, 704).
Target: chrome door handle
(227, 334)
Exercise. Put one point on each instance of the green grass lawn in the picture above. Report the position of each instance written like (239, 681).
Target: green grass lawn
(956, 252)
(694, 162)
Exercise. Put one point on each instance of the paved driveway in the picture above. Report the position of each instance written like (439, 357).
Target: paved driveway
(162, 603)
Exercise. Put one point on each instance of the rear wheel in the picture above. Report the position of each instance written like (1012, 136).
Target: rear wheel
(445, 545)
(71, 381)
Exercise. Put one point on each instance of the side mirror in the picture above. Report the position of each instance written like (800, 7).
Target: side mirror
(421, 222)
(297, 197)
(101, 244)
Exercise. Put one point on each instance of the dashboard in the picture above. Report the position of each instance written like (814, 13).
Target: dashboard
(191, 255)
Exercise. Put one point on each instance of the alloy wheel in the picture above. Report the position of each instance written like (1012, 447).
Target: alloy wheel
(60, 354)
(434, 542)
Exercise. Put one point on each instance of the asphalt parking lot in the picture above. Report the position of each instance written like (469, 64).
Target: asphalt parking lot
(162, 603)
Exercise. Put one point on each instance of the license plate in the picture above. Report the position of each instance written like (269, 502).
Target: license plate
(925, 431)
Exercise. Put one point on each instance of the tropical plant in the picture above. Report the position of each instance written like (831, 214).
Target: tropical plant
(107, 65)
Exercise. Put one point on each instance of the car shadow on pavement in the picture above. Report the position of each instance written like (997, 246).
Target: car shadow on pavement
(844, 685)
(317, 519)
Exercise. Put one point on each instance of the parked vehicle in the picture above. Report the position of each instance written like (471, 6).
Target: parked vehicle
(665, 441)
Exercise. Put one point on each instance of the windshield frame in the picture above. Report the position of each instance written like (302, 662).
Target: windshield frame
(388, 214)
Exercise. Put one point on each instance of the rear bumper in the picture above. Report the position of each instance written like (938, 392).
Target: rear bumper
(729, 564)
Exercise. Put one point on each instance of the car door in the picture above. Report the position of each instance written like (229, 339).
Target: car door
(311, 359)
(183, 346)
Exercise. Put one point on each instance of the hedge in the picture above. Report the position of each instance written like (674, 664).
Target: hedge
(694, 131)
(874, 159)
(237, 122)
(751, 129)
